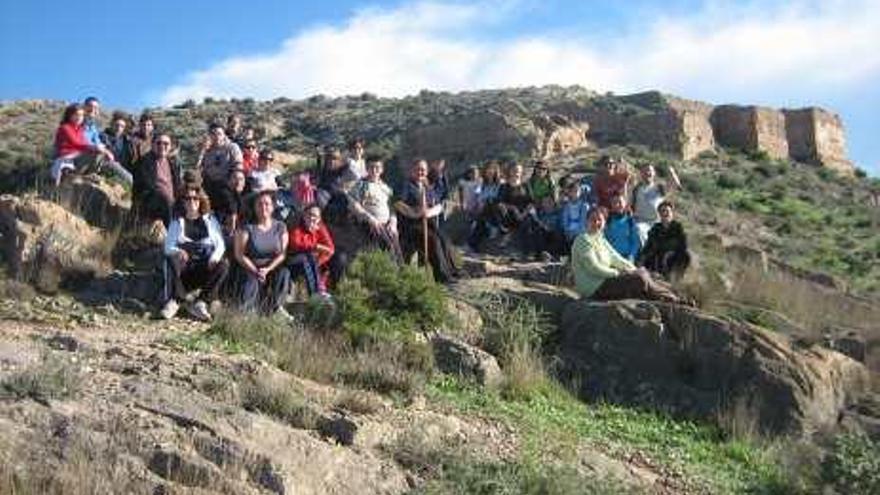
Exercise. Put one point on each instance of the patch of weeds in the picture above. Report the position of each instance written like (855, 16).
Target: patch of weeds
(51, 379)
(393, 368)
(359, 402)
(202, 342)
(853, 465)
(280, 401)
(553, 423)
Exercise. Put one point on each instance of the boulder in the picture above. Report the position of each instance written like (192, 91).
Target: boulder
(101, 203)
(46, 245)
(456, 357)
(682, 361)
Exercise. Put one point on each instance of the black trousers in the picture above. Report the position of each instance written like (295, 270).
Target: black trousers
(194, 275)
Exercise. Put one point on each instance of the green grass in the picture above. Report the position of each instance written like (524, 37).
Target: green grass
(553, 424)
(51, 379)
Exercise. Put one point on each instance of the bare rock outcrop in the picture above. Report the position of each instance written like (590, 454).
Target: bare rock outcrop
(101, 203)
(45, 244)
(680, 360)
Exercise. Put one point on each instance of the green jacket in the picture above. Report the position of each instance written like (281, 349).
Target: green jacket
(593, 261)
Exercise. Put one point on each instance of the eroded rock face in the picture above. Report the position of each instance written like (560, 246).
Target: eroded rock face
(456, 357)
(101, 203)
(751, 128)
(680, 360)
(45, 244)
(816, 136)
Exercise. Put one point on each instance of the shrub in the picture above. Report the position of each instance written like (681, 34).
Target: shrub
(853, 465)
(731, 180)
(280, 401)
(381, 300)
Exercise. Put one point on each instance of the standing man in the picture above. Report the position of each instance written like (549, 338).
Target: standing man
(219, 157)
(141, 142)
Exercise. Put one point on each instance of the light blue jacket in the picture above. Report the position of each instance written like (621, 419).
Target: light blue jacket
(623, 235)
(573, 217)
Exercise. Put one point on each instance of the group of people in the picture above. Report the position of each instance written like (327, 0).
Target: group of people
(235, 228)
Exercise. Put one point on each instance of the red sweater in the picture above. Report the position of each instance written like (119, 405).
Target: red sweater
(303, 241)
(70, 139)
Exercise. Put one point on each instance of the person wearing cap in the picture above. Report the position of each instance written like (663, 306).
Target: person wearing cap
(157, 182)
(264, 177)
(194, 251)
(218, 157)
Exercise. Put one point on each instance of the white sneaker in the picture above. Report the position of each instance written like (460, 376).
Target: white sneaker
(169, 310)
(199, 311)
(284, 315)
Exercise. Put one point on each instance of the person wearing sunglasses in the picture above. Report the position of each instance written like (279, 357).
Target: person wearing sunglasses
(156, 183)
(194, 250)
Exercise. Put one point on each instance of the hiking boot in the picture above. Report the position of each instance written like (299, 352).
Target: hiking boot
(169, 310)
(199, 311)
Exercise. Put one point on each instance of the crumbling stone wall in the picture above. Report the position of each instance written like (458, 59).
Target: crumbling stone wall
(751, 128)
(817, 136)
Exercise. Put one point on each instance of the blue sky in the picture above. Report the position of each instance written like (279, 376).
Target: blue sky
(775, 53)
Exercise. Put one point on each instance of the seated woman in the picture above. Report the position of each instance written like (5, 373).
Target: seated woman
(230, 203)
(541, 184)
(194, 250)
(666, 250)
(264, 176)
(602, 274)
(418, 209)
(509, 210)
(370, 202)
(621, 229)
(260, 248)
(71, 143)
(312, 253)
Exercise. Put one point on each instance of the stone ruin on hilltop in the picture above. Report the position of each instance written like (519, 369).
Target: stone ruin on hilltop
(681, 127)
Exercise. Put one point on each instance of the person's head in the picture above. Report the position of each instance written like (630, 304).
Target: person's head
(607, 164)
(264, 206)
(233, 123)
(596, 219)
(492, 172)
(92, 106)
(194, 201)
(217, 134)
(572, 190)
(250, 134)
(356, 147)
(618, 203)
(514, 173)
(145, 124)
(162, 145)
(647, 173)
(541, 169)
(666, 211)
(375, 167)
(250, 147)
(267, 158)
(473, 173)
(438, 166)
(118, 123)
(418, 170)
(333, 158)
(73, 114)
(311, 217)
(237, 180)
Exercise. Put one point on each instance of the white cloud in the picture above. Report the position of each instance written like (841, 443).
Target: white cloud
(719, 52)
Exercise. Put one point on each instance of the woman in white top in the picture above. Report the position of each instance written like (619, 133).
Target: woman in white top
(264, 177)
(648, 195)
(194, 251)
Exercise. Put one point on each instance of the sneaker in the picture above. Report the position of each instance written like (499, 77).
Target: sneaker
(199, 311)
(169, 310)
(284, 315)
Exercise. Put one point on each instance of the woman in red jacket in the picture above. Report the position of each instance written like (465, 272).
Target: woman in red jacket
(312, 252)
(71, 142)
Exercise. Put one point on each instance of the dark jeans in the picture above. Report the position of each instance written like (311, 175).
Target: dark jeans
(670, 264)
(385, 240)
(636, 285)
(268, 296)
(305, 265)
(194, 275)
(441, 255)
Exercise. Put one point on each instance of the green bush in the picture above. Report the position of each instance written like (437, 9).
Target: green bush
(731, 180)
(380, 300)
(853, 465)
